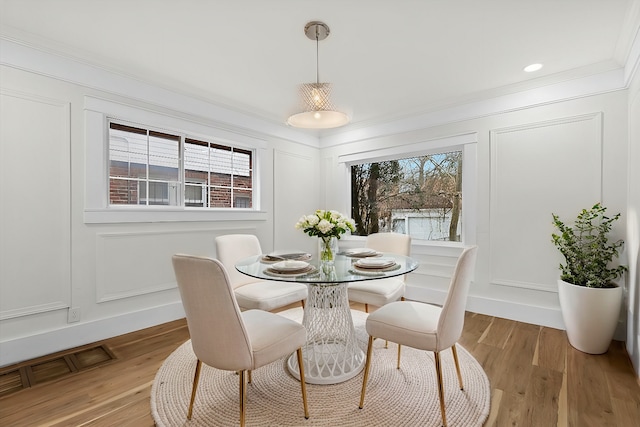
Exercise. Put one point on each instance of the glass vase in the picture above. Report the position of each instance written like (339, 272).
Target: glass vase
(328, 249)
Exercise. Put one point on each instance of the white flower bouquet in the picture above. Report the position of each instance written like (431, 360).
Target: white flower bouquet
(326, 225)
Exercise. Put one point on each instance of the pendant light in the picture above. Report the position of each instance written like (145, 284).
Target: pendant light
(319, 112)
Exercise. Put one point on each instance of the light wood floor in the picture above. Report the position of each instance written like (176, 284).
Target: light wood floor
(537, 379)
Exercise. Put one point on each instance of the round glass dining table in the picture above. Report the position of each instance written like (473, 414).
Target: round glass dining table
(331, 354)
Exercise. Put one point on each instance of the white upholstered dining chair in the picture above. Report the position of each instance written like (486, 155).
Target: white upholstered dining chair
(425, 326)
(382, 291)
(225, 338)
(253, 293)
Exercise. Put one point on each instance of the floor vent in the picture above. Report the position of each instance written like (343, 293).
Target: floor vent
(38, 371)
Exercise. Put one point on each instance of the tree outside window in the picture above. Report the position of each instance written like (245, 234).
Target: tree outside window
(420, 196)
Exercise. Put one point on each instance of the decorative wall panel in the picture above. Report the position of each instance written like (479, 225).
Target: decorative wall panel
(537, 169)
(295, 194)
(138, 263)
(35, 237)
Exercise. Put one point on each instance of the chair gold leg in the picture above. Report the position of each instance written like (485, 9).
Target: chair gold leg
(249, 376)
(366, 372)
(455, 359)
(399, 347)
(302, 303)
(366, 308)
(196, 379)
(386, 343)
(303, 386)
(243, 393)
(440, 387)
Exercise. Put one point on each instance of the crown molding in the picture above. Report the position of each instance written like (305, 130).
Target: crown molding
(628, 33)
(47, 62)
(36, 56)
(632, 64)
(607, 81)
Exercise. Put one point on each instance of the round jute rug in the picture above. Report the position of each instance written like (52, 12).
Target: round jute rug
(404, 397)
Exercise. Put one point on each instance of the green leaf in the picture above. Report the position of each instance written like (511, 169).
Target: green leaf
(586, 248)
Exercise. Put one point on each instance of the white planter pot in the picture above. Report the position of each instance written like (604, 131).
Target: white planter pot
(590, 315)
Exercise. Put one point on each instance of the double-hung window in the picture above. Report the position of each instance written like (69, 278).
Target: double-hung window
(148, 167)
(217, 176)
(144, 166)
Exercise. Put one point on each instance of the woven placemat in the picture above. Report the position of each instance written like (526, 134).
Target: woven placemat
(405, 397)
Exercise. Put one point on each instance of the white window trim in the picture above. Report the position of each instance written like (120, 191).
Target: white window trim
(97, 210)
(467, 143)
(202, 186)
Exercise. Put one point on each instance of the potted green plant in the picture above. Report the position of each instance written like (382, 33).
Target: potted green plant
(589, 298)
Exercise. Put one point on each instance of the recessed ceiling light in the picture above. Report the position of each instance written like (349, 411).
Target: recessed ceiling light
(533, 67)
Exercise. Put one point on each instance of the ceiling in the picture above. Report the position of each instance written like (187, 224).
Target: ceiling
(386, 59)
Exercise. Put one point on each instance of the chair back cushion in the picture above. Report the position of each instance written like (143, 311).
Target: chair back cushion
(395, 243)
(218, 334)
(451, 319)
(230, 249)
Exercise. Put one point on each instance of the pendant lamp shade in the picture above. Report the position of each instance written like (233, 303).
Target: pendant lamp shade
(318, 111)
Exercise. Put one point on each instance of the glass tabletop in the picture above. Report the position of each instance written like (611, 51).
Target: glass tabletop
(345, 268)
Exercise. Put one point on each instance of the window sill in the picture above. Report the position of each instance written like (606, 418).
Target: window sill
(124, 215)
(418, 247)
(414, 242)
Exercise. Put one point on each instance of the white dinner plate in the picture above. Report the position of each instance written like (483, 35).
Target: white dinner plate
(308, 270)
(375, 262)
(360, 252)
(290, 265)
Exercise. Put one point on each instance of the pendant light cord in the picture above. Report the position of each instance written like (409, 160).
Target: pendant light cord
(317, 55)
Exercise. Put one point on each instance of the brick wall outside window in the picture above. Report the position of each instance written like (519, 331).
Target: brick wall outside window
(205, 170)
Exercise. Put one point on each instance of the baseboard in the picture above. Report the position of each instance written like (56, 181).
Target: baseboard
(633, 349)
(536, 315)
(27, 348)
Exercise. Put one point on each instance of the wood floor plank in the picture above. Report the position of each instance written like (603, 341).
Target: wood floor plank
(475, 325)
(517, 358)
(600, 390)
(589, 401)
(83, 391)
(563, 405)
(627, 411)
(133, 338)
(118, 410)
(621, 386)
(159, 341)
(490, 358)
(542, 397)
(496, 402)
(512, 405)
(497, 334)
(552, 349)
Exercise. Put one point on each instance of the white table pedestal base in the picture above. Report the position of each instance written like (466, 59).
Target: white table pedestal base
(331, 354)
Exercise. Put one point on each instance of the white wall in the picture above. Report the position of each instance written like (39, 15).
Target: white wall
(53, 260)
(56, 254)
(632, 294)
(558, 157)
